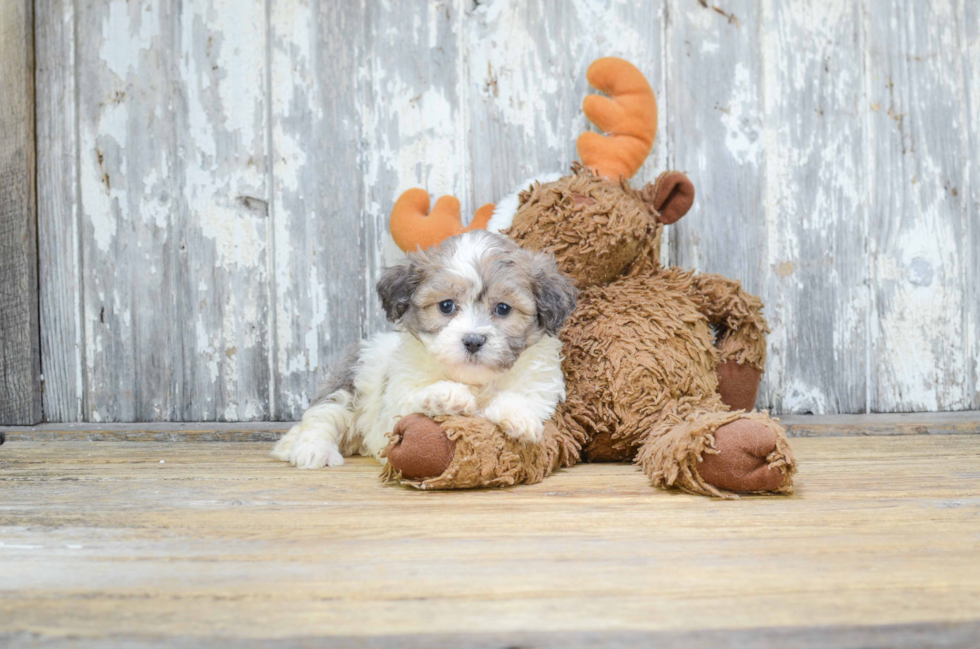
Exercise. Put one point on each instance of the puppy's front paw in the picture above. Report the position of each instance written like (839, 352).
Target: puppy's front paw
(515, 420)
(448, 398)
(315, 453)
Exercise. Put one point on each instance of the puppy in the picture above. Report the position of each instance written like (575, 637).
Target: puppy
(476, 322)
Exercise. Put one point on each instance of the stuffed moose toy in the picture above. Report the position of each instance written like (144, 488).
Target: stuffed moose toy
(662, 365)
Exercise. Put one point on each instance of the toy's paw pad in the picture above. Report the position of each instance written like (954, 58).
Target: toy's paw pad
(516, 421)
(315, 453)
(738, 385)
(740, 464)
(448, 398)
(420, 449)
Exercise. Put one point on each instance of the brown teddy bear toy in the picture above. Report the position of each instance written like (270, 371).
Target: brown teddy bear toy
(661, 365)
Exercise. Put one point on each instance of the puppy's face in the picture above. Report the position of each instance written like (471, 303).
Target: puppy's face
(476, 302)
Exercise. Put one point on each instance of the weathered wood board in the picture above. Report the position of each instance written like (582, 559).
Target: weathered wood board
(58, 210)
(919, 232)
(868, 425)
(215, 180)
(971, 38)
(20, 354)
(815, 210)
(194, 544)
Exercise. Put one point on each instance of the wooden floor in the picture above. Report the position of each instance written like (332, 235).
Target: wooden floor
(172, 543)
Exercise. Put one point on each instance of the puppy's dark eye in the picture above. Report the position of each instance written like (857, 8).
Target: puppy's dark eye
(502, 309)
(447, 306)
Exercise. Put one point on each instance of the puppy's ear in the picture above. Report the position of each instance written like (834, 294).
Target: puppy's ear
(554, 293)
(396, 286)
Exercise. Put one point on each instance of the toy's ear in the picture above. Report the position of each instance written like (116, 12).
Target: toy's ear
(413, 226)
(628, 117)
(671, 196)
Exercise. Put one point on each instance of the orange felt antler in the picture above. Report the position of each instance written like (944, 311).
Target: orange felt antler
(628, 117)
(413, 226)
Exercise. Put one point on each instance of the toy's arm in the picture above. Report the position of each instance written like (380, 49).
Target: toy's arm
(737, 317)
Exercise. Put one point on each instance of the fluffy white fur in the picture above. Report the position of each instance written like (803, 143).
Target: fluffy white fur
(396, 376)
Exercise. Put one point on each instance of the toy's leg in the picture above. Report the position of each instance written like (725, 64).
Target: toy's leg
(737, 316)
(466, 452)
(715, 452)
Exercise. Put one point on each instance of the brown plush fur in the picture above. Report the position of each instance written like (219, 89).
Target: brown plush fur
(632, 348)
(594, 227)
(641, 351)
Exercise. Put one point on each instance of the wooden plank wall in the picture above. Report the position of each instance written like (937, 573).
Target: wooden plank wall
(215, 180)
(20, 357)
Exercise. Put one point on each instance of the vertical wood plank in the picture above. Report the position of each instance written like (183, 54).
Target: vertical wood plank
(918, 234)
(295, 100)
(221, 231)
(525, 82)
(20, 358)
(57, 212)
(128, 196)
(321, 260)
(816, 211)
(174, 198)
(971, 61)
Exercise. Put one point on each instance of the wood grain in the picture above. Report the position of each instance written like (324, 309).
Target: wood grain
(960, 635)
(877, 424)
(58, 211)
(157, 541)
(320, 273)
(816, 207)
(128, 197)
(918, 423)
(20, 355)
(970, 37)
(918, 222)
(220, 228)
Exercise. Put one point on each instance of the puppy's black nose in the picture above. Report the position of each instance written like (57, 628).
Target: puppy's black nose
(473, 342)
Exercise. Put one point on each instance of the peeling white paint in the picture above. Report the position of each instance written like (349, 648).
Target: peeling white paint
(121, 48)
(206, 348)
(102, 173)
(510, 76)
(803, 398)
(742, 118)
